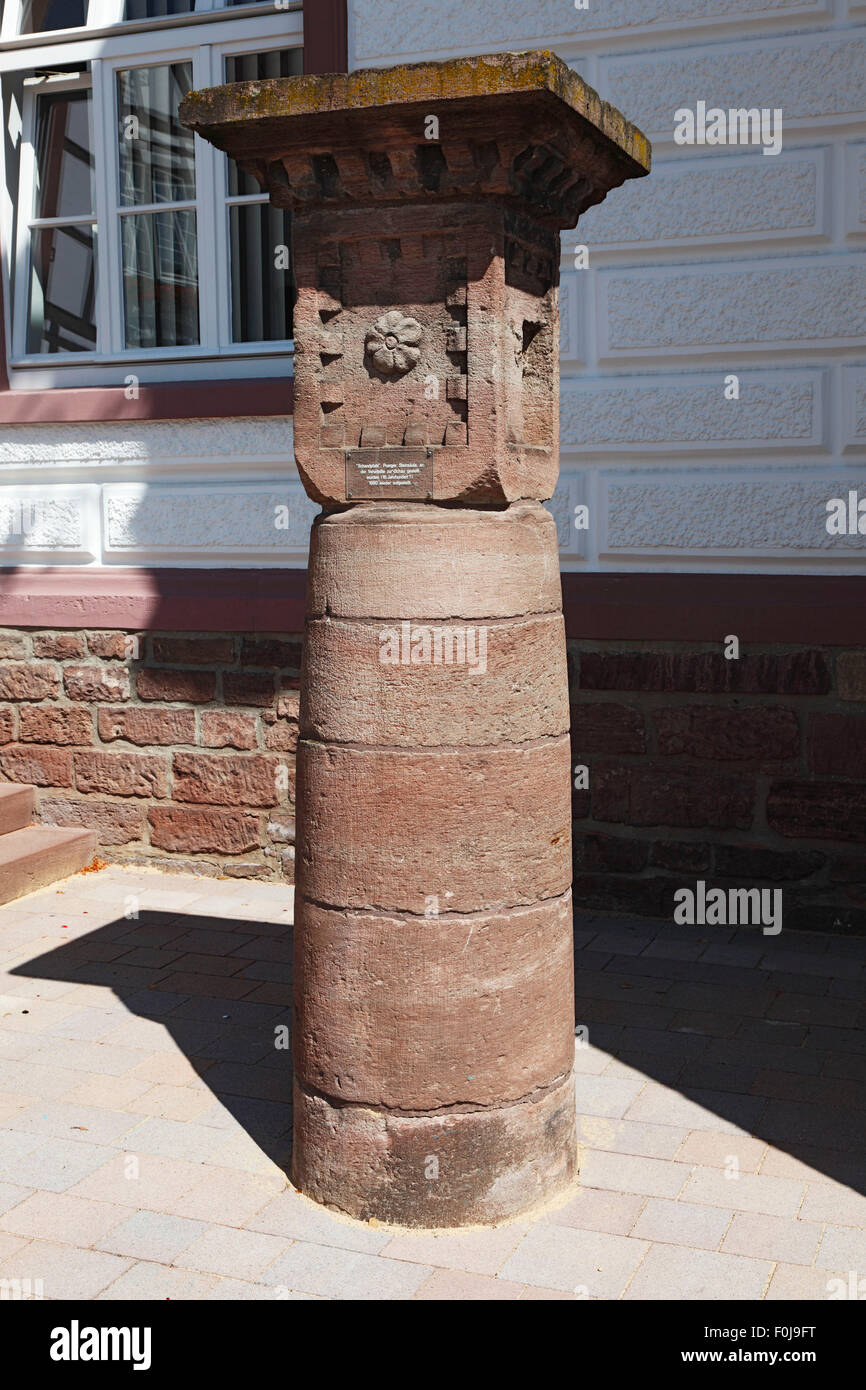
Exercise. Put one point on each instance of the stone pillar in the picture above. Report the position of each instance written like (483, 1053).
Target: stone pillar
(434, 1026)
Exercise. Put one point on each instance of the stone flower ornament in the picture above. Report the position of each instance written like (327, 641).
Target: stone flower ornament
(392, 343)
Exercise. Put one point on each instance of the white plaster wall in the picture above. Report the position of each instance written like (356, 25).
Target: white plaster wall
(722, 261)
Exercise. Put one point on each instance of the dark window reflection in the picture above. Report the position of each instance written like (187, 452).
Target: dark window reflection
(62, 307)
(157, 162)
(263, 288)
(40, 15)
(155, 9)
(64, 158)
(160, 279)
(256, 67)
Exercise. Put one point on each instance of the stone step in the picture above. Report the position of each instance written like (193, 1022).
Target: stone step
(16, 807)
(39, 855)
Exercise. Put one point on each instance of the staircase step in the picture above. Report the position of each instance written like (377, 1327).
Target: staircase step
(16, 806)
(40, 855)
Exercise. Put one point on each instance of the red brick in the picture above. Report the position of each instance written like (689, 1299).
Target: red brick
(643, 897)
(271, 652)
(59, 646)
(7, 725)
(851, 676)
(193, 651)
(607, 728)
(288, 698)
(248, 688)
(746, 862)
(121, 774)
(193, 687)
(96, 682)
(115, 823)
(649, 795)
(615, 854)
(756, 733)
(796, 673)
(227, 729)
(146, 726)
(680, 856)
(29, 682)
(13, 646)
(56, 724)
(44, 767)
(202, 830)
(116, 646)
(837, 745)
(226, 781)
(282, 736)
(818, 810)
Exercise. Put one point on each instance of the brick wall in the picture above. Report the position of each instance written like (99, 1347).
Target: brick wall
(746, 773)
(177, 750)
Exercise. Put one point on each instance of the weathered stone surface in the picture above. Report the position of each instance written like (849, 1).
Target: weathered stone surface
(198, 829)
(450, 1169)
(469, 251)
(433, 777)
(514, 690)
(480, 829)
(419, 562)
(484, 1012)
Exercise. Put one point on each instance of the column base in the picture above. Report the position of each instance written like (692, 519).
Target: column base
(459, 1168)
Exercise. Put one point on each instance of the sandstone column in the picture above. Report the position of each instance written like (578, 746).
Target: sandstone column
(434, 1028)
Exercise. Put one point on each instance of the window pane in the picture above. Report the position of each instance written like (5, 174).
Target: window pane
(39, 15)
(62, 289)
(263, 287)
(255, 67)
(156, 152)
(155, 9)
(64, 159)
(160, 279)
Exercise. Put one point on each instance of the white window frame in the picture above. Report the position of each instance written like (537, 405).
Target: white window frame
(205, 38)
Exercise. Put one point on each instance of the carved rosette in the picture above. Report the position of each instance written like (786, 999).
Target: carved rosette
(392, 343)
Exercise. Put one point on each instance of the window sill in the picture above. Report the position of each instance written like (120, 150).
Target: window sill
(186, 400)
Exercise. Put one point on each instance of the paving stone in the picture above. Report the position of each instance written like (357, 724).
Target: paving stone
(453, 1285)
(597, 1264)
(236, 1253)
(652, 1177)
(66, 1273)
(477, 1252)
(682, 1223)
(629, 1136)
(57, 1215)
(11, 1194)
(140, 1180)
(297, 1218)
(149, 1235)
(148, 1281)
(842, 1247)
(713, 1110)
(835, 1204)
(605, 1095)
(594, 1209)
(231, 1198)
(175, 1139)
(56, 1165)
(713, 1150)
(85, 1123)
(772, 1238)
(798, 1283)
(747, 1192)
(672, 1272)
(345, 1274)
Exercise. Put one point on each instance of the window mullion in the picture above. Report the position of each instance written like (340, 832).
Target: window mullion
(206, 176)
(109, 299)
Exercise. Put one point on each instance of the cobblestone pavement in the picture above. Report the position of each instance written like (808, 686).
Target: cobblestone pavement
(145, 1114)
